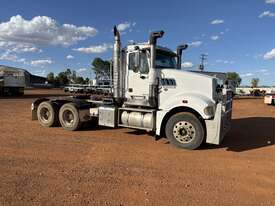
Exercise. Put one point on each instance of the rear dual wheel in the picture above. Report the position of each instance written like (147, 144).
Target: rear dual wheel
(69, 117)
(47, 114)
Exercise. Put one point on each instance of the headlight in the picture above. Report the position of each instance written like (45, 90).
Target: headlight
(209, 111)
(32, 107)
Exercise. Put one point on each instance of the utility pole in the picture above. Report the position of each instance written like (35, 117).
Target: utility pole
(203, 58)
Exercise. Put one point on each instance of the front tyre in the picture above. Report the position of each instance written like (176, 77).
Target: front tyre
(185, 130)
(69, 117)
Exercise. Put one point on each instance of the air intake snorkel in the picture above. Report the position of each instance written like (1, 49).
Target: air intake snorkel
(153, 83)
(180, 48)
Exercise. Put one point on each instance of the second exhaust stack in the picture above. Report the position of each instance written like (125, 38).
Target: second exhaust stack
(153, 83)
(116, 66)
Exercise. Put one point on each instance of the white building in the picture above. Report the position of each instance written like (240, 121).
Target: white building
(246, 90)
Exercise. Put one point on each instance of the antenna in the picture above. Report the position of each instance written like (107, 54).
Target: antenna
(203, 58)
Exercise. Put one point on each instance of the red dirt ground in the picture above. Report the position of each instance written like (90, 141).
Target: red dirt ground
(96, 166)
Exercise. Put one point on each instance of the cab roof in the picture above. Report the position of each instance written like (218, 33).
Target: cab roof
(142, 46)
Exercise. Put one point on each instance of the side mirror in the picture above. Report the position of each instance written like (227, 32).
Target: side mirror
(136, 61)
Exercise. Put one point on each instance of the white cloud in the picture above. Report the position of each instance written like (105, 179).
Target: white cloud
(95, 49)
(42, 72)
(270, 55)
(225, 61)
(187, 64)
(8, 57)
(214, 38)
(263, 70)
(82, 70)
(270, 1)
(18, 47)
(267, 14)
(131, 41)
(195, 44)
(247, 74)
(29, 35)
(217, 21)
(22, 60)
(257, 56)
(123, 27)
(41, 62)
(69, 56)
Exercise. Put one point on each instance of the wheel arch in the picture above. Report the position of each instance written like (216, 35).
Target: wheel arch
(178, 110)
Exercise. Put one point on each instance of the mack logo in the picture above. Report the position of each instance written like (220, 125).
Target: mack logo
(168, 82)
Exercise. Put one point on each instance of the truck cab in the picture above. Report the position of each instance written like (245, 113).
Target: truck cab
(137, 71)
(152, 93)
(179, 91)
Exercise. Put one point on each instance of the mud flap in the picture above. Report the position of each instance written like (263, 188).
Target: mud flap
(218, 127)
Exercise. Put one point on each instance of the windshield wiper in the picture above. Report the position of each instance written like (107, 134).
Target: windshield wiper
(158, 66)
(164, 67)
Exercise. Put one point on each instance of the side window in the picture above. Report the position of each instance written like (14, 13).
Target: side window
(132, 61)
(144, 67)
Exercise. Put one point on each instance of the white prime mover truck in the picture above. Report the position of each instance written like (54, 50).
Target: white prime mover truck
(152, 93)
(12, 81)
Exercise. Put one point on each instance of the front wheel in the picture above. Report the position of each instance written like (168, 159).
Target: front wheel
(185, 130)
(69, 117)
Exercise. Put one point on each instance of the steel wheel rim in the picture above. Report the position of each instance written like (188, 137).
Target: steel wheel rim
(68, 118)
(45, 114)
(184, 132)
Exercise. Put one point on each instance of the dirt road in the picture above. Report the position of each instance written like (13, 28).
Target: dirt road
(95, 166)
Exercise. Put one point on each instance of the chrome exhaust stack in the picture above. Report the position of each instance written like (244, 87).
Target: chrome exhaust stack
(180, 48)
(116, 67)
(153, 82)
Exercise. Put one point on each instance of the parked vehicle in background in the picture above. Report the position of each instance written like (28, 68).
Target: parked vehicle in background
(269, 97)
(12, 82)
(88, 89)
(75, 88)
(257, 92)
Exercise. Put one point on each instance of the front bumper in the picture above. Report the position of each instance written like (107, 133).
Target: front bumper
(217, 128)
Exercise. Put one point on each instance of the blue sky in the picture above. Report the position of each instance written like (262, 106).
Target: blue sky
(45, 36)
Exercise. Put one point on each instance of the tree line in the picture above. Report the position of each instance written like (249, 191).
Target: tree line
(67, 77)
(236, 77)
(101, 69)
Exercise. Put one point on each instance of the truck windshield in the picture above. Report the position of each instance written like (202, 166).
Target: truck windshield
(165, 60)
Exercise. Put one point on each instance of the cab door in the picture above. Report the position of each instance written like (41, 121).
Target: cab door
(138, 76)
